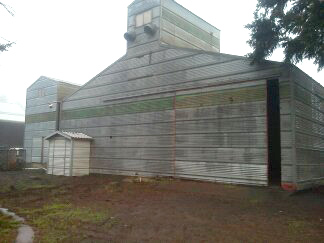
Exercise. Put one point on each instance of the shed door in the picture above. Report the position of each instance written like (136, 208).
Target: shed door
(221, 133)
(59, 157)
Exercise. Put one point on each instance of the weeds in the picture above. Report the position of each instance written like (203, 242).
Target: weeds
(8, 228)
(297, 226)
(59, 222)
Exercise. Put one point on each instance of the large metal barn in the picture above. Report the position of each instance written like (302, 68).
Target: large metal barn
(175, 106)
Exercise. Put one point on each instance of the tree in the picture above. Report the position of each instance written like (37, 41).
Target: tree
(295, 25)
(4, 47)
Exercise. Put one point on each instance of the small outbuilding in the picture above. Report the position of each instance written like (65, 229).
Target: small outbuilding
(69, 154)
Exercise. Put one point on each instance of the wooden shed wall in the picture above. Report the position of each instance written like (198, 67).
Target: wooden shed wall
(158, 114)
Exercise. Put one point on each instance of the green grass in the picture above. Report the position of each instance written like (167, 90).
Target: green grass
(8, 228)
(297, 226)
(59, 222)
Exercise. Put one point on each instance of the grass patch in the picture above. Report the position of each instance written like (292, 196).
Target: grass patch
(297, 226)
(4, 188)
(8, 228)
(59, 222)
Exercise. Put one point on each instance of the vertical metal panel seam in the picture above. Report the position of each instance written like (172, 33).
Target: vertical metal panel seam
(64, 156)
(72, 157)
(293, 129)
(175, 133)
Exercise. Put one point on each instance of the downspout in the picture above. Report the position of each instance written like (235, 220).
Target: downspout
(58, 115)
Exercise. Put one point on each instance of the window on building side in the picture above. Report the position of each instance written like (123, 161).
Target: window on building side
(144, 18)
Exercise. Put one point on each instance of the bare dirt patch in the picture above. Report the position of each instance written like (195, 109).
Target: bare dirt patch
(102, 208)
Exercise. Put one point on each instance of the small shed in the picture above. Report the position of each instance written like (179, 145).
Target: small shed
(69, 154)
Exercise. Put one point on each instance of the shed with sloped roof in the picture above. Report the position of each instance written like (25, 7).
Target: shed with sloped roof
(69, 154)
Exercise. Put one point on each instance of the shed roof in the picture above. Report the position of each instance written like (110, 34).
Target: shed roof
(70, 135)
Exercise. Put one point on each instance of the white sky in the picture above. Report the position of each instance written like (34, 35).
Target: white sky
(74, 40)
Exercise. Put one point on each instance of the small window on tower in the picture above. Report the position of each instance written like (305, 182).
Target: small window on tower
(144, 18)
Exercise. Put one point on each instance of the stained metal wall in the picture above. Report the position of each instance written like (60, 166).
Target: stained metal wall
(143, 40)
(11, 134)
(308, 136)
(181, 28)
(177, 112)
(176, 26)
(40, 118)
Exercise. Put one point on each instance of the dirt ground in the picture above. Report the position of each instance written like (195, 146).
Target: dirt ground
(102, 208)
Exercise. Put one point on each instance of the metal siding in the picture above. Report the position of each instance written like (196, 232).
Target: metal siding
(181, 29)
(153, 130)
(190, 17)
(309, 130)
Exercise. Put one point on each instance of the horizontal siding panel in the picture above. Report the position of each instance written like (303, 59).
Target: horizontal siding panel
(254, 109)
(190, 28)
(133, 153)
(222, 140)
(128, 119)
(309, 127)
(309, 157)
(231, 173)
(134, 142)
(154, 129)
(312, 172)
(256, 124)
(309, 98)
(133, 165)
(306, 111)
(307, 141)
(43, 117)
(223, 155)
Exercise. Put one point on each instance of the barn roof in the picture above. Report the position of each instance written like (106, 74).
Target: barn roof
(70, 135)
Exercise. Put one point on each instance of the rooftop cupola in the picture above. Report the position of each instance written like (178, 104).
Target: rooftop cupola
(152, 23)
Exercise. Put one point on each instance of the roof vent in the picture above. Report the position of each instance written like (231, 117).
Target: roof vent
(130, 35)
(150, 29)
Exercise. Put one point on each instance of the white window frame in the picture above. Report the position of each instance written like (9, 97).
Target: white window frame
(144, 18)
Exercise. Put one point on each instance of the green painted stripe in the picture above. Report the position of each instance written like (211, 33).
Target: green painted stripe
(43, 117)
(220, 97)
(121, 109)
(190, 28)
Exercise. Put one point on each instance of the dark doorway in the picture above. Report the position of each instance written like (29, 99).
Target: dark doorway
(274, 146)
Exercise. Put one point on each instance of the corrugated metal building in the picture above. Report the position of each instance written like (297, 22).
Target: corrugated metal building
(175, 106)
(11, 134)
(42, 115)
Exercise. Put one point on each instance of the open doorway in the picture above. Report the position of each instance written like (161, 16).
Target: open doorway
(274, 142)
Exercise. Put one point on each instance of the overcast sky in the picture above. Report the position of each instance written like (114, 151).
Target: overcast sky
(73, 40)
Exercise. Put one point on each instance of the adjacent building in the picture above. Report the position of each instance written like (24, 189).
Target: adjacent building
(173, 105)
(43, 102)
(11, 134)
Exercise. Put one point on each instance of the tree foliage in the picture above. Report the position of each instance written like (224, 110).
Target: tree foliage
(4, 47)
(295, 25)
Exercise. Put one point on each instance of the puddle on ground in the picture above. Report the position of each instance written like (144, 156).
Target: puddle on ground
(25, 232)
